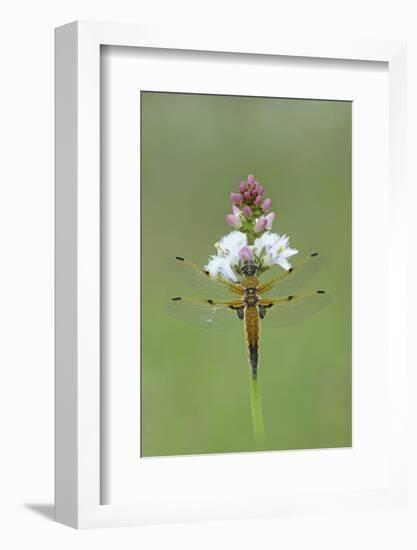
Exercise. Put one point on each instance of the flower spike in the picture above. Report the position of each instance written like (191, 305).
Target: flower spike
(251, 240)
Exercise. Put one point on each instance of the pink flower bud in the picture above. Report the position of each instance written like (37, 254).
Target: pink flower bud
(234, 221)
(247, 211)
(247, 196)
(260, 190)
(270, 218)
(246, 254)
(258, 199)
(242, 186)
(261, 225)
(250, 178)
(236, 211)
(236, 198)
(267, 204)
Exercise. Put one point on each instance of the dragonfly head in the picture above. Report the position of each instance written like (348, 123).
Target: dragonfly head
(249, 270)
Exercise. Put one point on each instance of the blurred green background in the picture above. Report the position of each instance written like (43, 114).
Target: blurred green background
(195, 382)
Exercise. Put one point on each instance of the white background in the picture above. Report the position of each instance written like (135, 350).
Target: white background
(26, 273)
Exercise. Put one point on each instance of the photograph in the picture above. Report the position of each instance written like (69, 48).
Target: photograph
(245, 274)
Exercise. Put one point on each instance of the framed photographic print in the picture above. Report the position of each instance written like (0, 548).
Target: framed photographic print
(222, 348)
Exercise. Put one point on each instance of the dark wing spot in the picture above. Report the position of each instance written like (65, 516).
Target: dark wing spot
(314, 254)
(176, 298)
(290, 270)
(290, 297)
(209, 301)
(179, 258)
(207, 273)
(321, 292)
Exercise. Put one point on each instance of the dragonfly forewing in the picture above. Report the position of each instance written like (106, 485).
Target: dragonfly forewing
(289, 281)
(201, 281)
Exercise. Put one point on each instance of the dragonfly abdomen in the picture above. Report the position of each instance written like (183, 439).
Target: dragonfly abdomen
(252, 337)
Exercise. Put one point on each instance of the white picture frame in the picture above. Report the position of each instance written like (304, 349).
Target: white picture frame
(78, 501)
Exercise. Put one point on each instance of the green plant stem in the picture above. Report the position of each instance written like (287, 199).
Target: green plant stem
(257, 416)
(251, 236)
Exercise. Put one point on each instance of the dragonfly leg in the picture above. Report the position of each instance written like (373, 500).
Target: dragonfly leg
(262, 311)
(240, 310)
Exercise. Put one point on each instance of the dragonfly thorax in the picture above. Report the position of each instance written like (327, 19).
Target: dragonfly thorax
(251, 297)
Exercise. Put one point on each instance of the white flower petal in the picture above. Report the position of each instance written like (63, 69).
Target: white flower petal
(227, 257)
(272, 248)
(233, 242)
(284, 263)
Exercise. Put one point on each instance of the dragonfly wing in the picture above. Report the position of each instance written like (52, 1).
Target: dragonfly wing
(294, 278)
(201, 281)
(288, 310)
(206, 313)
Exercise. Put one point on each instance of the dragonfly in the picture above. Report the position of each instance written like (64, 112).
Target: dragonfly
(227, 305)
